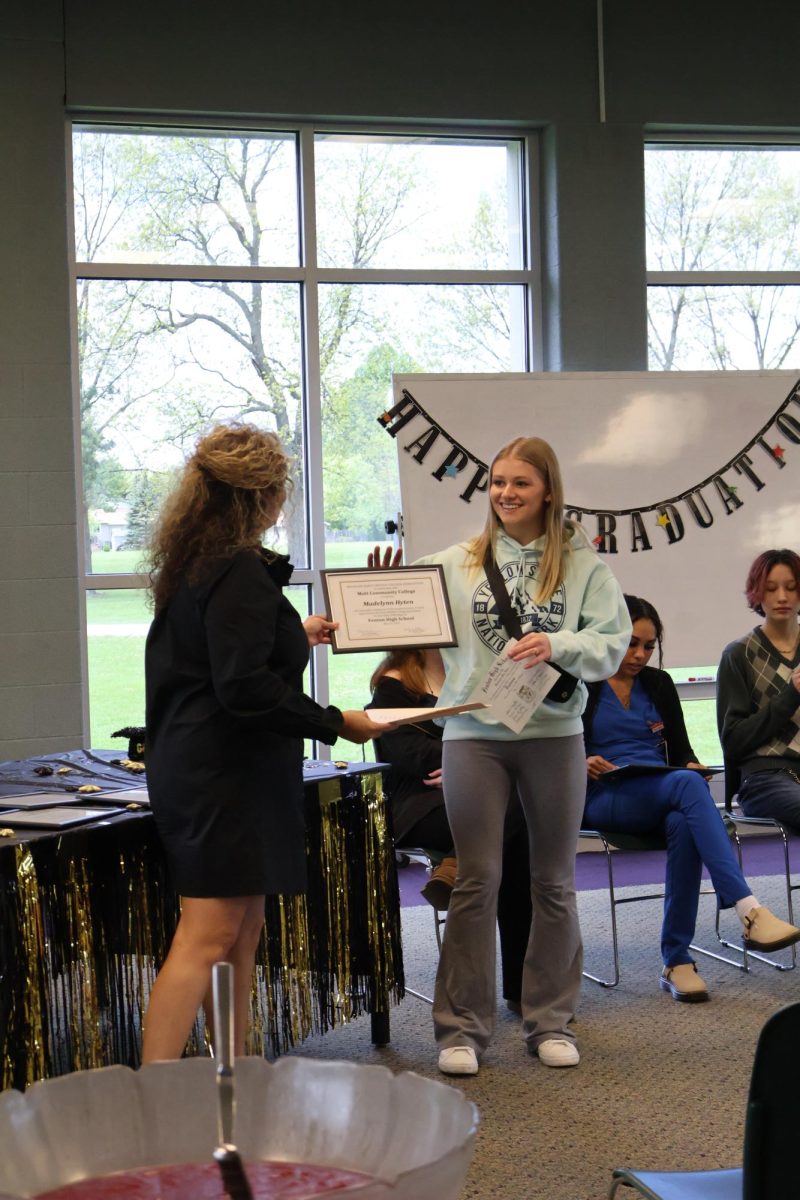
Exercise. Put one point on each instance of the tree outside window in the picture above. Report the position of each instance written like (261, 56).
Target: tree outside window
(723, 250)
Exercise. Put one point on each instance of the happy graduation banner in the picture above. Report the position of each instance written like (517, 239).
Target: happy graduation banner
(700, 502)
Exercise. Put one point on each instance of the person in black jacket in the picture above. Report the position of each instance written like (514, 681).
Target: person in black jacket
(635, 719)
(412, 678)
(226, 716)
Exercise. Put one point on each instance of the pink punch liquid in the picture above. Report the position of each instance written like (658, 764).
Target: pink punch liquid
(202, 1181)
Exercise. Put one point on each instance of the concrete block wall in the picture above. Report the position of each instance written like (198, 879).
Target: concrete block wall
(40, 658)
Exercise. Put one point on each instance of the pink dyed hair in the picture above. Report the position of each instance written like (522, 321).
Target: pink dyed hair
(756, 583)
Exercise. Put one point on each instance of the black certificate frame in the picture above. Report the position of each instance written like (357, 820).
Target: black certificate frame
(342, 585)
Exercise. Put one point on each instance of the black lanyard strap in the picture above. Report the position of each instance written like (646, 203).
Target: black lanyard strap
(565, 685)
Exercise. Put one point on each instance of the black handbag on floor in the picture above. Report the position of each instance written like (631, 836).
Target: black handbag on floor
(565, 685)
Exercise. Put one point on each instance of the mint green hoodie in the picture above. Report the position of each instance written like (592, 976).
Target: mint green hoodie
(586, 620)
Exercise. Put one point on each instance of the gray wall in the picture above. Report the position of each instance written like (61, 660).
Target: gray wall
(39, 649)
(518, 64)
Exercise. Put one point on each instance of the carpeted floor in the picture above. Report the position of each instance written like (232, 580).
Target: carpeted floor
(660, 1084)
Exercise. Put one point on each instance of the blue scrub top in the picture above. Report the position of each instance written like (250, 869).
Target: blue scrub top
(626, 735)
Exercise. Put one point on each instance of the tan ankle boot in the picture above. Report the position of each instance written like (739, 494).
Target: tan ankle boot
(441, 883)
(685, 984)
(764, 931)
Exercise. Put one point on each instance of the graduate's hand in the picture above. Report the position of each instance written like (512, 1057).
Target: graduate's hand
(360, 728)
(531, 649)
(795, 677)
(318, 630)
(434, 779)
(596, 766)
(389, 558)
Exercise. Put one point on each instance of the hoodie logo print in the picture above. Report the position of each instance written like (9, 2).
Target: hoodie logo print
(534, 618)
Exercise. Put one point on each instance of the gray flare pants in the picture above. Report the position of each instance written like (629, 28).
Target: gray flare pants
(480, 775)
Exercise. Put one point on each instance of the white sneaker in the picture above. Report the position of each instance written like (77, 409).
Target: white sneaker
(558, 1052)
(458, 1060)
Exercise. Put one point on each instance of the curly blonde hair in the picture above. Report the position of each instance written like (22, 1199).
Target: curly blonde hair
(230, 492)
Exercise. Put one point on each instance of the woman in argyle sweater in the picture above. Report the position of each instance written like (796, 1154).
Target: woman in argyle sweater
(758, 695)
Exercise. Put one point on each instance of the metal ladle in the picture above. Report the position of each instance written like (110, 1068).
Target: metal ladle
(226, 1155)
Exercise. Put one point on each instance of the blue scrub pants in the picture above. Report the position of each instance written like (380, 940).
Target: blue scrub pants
(679, 806)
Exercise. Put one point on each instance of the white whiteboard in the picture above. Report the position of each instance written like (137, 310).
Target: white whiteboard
(635, 445)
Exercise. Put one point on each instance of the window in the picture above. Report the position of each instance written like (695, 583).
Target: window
(723, 274)
(723, 257)
(280, 276)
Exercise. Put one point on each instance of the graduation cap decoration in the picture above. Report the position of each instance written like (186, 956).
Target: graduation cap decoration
(135, 736)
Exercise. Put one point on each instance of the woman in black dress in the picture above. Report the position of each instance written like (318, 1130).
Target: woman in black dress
(226, 716)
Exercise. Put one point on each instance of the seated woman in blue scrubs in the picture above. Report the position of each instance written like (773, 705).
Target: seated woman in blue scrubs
(635, 717)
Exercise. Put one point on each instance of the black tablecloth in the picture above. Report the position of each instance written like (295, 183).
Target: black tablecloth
(87, 914)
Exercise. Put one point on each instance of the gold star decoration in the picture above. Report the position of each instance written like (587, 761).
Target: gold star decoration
(663, 520)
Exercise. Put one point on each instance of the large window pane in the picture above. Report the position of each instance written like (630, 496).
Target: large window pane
(219, 213)
(224, 200)
(701, 725)
(418, 202)
(745, 328)
(160, 363)
(700, 714)
(117, 623)
(349, 686)
(369, 332)
(722, 209)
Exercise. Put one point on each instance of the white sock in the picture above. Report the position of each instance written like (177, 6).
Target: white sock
(744, 906)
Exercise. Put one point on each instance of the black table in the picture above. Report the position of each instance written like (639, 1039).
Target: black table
(87, 915)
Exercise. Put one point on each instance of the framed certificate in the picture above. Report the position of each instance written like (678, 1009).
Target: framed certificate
(383, 610)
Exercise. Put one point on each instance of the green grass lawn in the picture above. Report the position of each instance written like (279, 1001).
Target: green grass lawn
(118, 562)
(116, 683)
(120, 606)
(116, 687)
(116, 664)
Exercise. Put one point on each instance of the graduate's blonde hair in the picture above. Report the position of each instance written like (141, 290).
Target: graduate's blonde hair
(539, 454)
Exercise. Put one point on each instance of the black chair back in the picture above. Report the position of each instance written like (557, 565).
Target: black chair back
(773, 1111)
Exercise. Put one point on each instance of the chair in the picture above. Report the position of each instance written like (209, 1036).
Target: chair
(429, 859)
(419, 854)
(770, 1167)
(620, 842)
(614, 843)
(743, 828)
